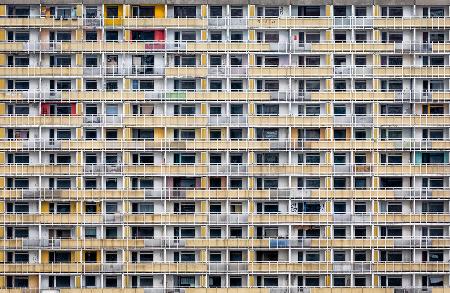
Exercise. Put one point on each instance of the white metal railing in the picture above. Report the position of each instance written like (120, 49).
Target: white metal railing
(281, 95)
(223, 46)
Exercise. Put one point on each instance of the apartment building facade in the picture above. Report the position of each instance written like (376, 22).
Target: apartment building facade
(184, 146)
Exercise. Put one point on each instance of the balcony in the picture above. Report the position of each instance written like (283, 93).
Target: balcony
(33, 121)
(41, 71)
(290, 71)
(291, 23)
(130, 23)
(411, 23)
(41, 22)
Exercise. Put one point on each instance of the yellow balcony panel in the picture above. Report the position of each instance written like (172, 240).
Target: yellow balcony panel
(52, 218)
(290, 120)
(14, 243)
(440, 96)
(289, 71)
(113, 21)
(13, 46)
(101, 243)
(39, 22)
(411, 71)
(411, 218)
(109, 290)
(167, 218)
(411, 267)
(113, 145)
(360, 145)
(232, 290)
(100, 194)
(354, 193)
(281, 218)
(352, 47)
(150, 121)
(440, 243)
(102, 46)
(352, 290)
(227, 96)
(402, 23)
(168, 267)
(440, 194)
(14, 145)
(41, 71)
(410, 169)
(187, 71)
(41, 120)
(440, 47)
(351, 243)
(229, 194)
(289, 267)
(223, 145)
(40, 169)
(166, 169)
(165, 22)
(290, 169)
(226, 47)
(52, 268)
(356, 96)
(79, 194)
(98, 96)
(224, 243)
(303, 22)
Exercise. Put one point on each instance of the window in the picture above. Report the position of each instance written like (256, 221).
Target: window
(184, 11)
(361, 11)
(112, 11)
(91, 36)
(309, 11)
(215, 256)
(236, 36)
(185, 60)
(392, 11)
(340, 208)
(19, 36)
(433, 12)
(215, 11)
(339, 255)
(111, 35)
(143, 11)
(236, 11)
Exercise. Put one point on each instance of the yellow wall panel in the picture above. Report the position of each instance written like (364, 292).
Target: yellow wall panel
(204, 206)
(204, 231)
(33, 281)
(251, 10)
(251, 35)
(204, 182)
(160, 11)
(45, 256)
(204, 10)
(204, 158)
(45, 208)
(79, 10)
(159, 133)
(328, 10)
(204, 60)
